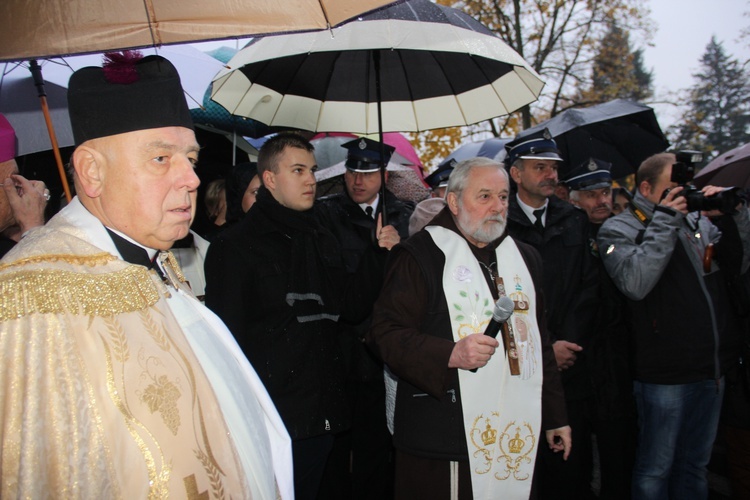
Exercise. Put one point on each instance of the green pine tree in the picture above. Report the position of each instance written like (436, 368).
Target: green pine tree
(617, 71)
(718, 114)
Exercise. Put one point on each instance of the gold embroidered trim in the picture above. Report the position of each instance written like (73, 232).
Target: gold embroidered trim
(172, 261)
(53, 291)
(73, 259)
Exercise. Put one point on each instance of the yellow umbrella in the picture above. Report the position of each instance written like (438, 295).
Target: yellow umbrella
(55, 27)
(45, 28)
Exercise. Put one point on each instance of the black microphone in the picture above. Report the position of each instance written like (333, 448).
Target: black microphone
(503, 309)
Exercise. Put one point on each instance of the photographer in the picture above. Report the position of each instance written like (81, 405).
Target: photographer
(664, 254)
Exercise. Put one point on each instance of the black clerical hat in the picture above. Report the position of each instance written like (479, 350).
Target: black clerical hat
(128, 93)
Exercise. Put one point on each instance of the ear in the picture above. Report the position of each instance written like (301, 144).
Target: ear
(89, 166)
(269, 180)
(515, 174)
(452, 200)
(645, 188)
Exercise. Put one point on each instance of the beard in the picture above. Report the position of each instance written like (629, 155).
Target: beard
(485, 230)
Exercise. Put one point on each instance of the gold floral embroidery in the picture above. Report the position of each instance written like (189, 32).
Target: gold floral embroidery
(158, 480)
(162, 396)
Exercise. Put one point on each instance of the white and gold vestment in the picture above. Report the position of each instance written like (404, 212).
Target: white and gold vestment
(115, 384)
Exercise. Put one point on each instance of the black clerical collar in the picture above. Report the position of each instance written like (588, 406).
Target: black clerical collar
(130, 252)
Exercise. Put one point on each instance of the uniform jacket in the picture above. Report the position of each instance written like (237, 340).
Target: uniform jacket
(355, 230)
(683, 328)
(570, 279)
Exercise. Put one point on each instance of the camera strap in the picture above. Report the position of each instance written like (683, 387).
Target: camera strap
(640, 215)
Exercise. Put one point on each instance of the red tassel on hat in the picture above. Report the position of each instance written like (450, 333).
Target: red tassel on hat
(119, 67)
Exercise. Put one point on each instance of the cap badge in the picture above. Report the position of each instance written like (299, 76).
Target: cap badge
(362, 144)
(547, 135)
(592, 165)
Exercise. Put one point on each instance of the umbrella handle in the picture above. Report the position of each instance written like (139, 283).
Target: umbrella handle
(36, 73)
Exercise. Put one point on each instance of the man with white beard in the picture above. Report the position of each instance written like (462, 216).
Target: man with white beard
(468, 419)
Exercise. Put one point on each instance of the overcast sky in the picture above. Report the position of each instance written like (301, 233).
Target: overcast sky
(684, 28)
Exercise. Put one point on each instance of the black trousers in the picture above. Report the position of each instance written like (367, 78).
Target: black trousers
(360, 467)
(309, 457)
(559, 479)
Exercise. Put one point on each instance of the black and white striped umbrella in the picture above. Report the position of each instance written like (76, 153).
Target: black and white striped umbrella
(427, 66)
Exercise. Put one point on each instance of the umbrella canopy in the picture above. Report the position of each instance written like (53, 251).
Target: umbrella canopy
(427, 66)
(621, 132)
(212, 115)
(51, 27)
(493, 148)
(729, 169)
(19, 99)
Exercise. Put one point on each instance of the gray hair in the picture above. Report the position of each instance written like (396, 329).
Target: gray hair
(460, 175)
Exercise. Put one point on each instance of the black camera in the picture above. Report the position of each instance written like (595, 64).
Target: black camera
(683, 171)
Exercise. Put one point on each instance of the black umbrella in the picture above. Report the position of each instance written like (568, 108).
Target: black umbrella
(621, 132)
(729, 169)
(413, 66)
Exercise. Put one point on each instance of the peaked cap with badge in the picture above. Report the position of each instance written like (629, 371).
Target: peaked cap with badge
(364, 155)
(589, 175)
(128, 93)
(439, 178)
(537, 146)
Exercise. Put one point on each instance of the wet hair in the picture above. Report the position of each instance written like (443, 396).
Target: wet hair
(460, 175)
(268, 156)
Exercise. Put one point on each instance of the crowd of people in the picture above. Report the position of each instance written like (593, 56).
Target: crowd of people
(505, 338)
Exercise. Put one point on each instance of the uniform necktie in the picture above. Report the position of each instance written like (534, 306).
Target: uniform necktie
(538, 214)
(368, 211)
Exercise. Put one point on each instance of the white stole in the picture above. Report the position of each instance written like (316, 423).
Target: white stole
(502, 413)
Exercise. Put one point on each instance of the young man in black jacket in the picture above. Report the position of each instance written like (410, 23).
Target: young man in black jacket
(277, 279)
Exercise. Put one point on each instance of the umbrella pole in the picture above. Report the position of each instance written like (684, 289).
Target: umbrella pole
(383, 163)
(234, 147)
(36, 73)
